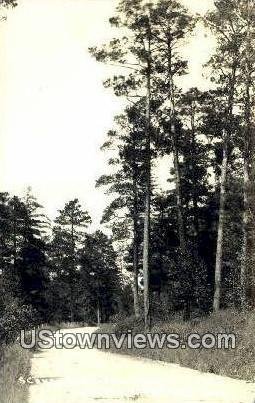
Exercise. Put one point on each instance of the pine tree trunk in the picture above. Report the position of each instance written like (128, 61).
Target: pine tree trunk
(223, 181)
(219, 250)
(15, 241)
(71, 312)
(181, 231)
(98, 315)
(181, 227)
(180, 217)
(135, 272)
(135, 284)
(135, 245)
(248, 267)
(194, 184)
(146, 238)
(72, 274)
(146, 251)
(244, 249)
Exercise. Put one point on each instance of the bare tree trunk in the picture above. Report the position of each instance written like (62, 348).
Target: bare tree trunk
(15, 240)
(194, 184)
(219, 250)
(181, 230)
(71, 311)
(245, 225)
(135, 244)
(248, 266)
(98, 314)
(135, 267)
(72, 274)
(223, 182)
(181, 225)
(180, 217)
(250, 231)
(146, 239)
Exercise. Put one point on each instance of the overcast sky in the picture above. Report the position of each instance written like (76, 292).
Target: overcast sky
(55, 112)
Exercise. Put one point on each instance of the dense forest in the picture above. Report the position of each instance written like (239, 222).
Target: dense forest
(188, 249)
(53, 273)
(193, 244)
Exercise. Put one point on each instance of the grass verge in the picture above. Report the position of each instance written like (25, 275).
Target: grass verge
(236, 363)
(14, 365)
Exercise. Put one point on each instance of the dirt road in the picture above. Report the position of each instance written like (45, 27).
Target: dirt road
(80, 376)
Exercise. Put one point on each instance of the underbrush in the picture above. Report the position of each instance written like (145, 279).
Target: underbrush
(236, 363)
(14, 370)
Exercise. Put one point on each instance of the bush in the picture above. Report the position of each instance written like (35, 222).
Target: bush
(15, 318)
(118, 317)
(130, 323)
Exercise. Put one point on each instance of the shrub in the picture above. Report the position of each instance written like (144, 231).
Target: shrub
(15, 318)
(130, 323)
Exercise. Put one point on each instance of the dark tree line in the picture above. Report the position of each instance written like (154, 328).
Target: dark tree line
(53, 273)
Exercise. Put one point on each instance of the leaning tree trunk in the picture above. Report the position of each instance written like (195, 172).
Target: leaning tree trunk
(146, 238)
(220, 237)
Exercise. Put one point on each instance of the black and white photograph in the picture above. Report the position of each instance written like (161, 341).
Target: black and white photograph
(127, 201)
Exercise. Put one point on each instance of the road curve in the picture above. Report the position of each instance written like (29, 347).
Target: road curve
(83, 375)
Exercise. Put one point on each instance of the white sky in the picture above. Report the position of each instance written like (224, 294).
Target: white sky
(55, 112)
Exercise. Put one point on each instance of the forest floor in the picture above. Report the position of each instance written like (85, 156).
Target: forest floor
(87, 375)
